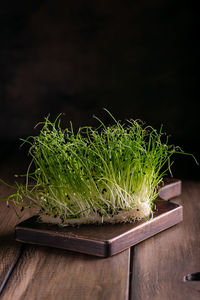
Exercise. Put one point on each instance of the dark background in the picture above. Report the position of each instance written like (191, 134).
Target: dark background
(139, 59)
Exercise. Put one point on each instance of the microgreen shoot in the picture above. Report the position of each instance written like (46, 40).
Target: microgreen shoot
(109, 174)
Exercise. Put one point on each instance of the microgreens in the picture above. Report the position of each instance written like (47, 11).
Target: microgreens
(108, 174)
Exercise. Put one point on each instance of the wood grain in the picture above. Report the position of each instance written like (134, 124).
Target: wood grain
(44, 273)
(100, 240)
(161, 262)
(9, 249)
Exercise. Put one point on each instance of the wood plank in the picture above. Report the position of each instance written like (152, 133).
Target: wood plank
(100, 240)
(161, 262)
(44, 273)
(9, 249)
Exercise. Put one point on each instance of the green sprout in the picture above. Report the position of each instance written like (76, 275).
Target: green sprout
(109, 174)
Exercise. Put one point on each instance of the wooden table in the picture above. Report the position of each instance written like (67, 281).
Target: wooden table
(153, 269)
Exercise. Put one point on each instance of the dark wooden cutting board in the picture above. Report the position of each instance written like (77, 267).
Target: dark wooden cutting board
(106, 239)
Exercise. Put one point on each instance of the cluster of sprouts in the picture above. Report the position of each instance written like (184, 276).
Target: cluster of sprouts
(109, 174)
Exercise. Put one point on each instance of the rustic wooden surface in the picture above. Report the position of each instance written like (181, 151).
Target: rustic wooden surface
(9, 249)
(44, 273)
(160, 263)
(157, 265)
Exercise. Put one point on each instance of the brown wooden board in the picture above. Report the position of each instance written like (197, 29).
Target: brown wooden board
(106, 239)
